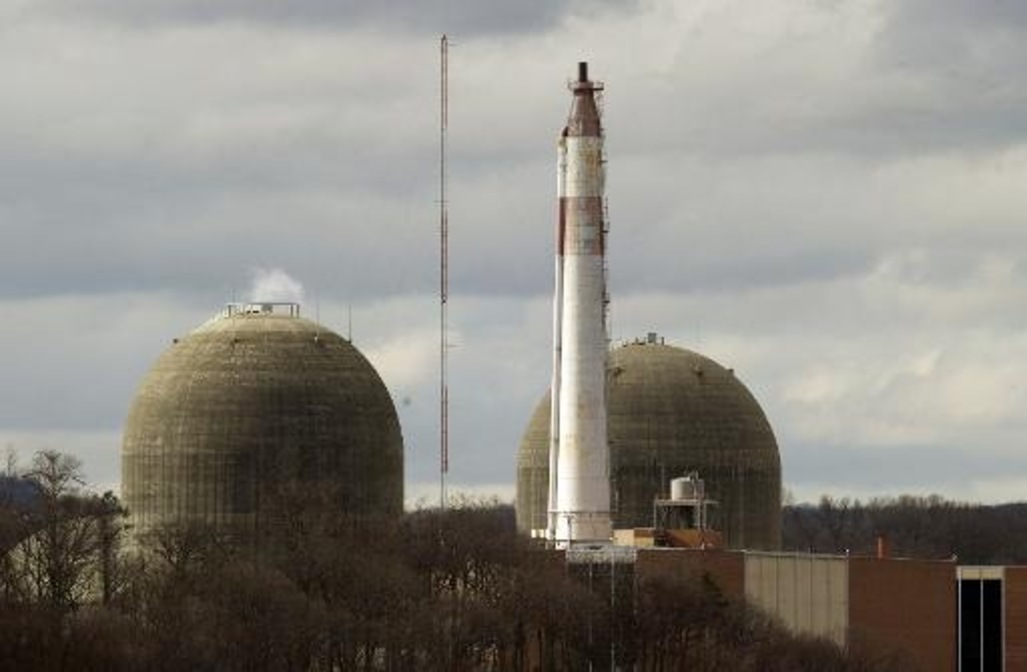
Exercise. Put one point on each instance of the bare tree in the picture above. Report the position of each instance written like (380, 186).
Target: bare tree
(111, 527)
(60, 550)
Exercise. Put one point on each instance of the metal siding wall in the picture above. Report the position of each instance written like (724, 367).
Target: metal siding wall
(820, 582)
(804, 595)
(808, 593)
(838, 599)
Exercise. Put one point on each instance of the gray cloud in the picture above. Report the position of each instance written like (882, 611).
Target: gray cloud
(947, 32)
(424, 16)
(867, 80)
(900, 469)
(73, 362)
(816, 194)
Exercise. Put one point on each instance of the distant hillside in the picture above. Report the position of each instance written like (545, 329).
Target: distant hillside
(17, 492)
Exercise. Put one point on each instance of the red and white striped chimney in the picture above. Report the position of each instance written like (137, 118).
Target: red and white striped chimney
(579, 485)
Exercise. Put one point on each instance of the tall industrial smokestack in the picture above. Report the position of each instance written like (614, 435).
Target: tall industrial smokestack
(579, 485)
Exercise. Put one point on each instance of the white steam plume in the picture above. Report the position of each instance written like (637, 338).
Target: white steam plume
(273, 285)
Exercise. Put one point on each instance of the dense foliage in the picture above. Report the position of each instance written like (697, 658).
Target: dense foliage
(453, 590)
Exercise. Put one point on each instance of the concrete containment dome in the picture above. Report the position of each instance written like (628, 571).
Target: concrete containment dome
(672, 411)
(252, 402)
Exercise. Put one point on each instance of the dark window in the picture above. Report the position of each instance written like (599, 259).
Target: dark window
(980, 622)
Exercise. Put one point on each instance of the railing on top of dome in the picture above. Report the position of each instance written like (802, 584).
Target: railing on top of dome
(291, 308)
(231, 309)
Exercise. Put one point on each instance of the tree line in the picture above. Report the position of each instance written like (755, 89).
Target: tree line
(433, 590)
(911, 526)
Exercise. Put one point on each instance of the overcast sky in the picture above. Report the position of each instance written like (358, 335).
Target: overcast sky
(828, 197)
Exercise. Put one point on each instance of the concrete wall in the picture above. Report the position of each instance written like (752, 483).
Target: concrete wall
(725, 568)
(249, 409)
(809, 593)
(1016, 619)
(907, 606)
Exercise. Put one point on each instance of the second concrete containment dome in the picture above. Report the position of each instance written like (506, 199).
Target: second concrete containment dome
(672, 411)
(249, 405)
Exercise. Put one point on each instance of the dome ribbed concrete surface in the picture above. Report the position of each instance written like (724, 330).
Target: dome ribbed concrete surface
(248, 405)
(672, 411)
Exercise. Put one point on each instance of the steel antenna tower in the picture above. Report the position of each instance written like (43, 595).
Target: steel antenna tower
(443, 273)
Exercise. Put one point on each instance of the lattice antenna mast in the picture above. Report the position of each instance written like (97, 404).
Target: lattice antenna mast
(443, 273)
